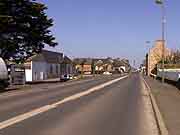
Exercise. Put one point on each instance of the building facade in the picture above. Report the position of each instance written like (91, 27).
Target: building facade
(67, 66)
(83, 65)
(99, 66)
(44, 66)
(155, 56)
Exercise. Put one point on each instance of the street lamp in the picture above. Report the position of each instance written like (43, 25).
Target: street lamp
(148, 58)
(162, 4)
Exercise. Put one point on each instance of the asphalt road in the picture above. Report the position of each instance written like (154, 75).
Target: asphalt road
(122, 108)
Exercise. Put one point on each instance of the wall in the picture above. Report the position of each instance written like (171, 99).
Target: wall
(3, 70)
(28, 72)
(42, 71)
(155, 55)
(39, 71)
(87, 68)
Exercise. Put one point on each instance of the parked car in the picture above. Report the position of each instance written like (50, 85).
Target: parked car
(4, 79)
(107, 73)
(66, 77)
(71, 77)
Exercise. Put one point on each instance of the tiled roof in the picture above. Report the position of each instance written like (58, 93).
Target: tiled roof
(67, 60)
(83, 60)
(48, 56)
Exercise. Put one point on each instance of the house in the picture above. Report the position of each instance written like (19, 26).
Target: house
(93, 65)
(44, 66)
(103, 65)
(99, 66)
(83, 65)
(121, 65)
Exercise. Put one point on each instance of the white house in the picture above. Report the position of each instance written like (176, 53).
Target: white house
(43, 66)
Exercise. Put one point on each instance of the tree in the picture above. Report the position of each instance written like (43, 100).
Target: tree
(24, 29)
(173, 58)
(176, 57)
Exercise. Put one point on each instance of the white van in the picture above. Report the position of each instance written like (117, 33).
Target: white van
(3, 74)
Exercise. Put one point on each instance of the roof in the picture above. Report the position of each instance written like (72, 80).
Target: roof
(117, 63)
(101, 61)
(121, 62)
(48, 56)
(79, 61)
(91, 60)
(67, 60)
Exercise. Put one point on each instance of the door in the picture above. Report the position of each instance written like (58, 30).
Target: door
(41, 75)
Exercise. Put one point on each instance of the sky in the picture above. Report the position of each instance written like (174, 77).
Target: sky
(112, 28)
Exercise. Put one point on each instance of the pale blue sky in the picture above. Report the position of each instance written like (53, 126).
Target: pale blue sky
(116, 28)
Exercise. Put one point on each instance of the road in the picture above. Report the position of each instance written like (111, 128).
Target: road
(122, 107)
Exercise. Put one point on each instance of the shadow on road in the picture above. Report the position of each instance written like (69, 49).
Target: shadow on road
(9, 89)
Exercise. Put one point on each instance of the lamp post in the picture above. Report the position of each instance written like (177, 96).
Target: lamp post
(148, 58)
(162, 4)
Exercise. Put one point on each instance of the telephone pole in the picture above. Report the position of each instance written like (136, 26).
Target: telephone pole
(163, 19)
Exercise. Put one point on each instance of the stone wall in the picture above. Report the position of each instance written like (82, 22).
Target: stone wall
(155, 55)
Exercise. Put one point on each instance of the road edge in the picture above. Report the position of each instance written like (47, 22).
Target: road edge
(158, 116)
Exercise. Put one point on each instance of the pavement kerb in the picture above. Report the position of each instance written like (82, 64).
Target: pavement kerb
(158, 116)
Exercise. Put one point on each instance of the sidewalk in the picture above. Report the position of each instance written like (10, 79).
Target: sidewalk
(36, 83)
(54, 80)
(168, 99)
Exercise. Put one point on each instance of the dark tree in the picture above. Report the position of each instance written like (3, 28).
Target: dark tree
(24, 29)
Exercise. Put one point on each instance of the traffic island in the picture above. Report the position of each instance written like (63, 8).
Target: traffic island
(167, 97)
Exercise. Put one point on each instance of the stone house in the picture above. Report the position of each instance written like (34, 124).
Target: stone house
(103, 65)
(90, 65)
(83, 65)
(119, 66)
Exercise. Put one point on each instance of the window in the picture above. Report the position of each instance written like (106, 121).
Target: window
(57, 69)
(51, 69)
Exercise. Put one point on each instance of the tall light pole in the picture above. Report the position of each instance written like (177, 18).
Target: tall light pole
(163, 19)
(148, 58)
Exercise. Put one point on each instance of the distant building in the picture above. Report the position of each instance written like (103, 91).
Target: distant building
(101, 65)
(46, 65)
(155, 56)
(121, 66)
(83, 65)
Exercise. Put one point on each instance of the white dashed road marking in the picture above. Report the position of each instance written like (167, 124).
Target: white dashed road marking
(46, 108)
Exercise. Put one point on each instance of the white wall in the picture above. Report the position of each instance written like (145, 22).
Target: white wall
(169, 74)
(28, 74)
(3, 70)
(42, 71)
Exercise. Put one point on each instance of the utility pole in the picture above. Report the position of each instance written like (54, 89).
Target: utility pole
(134, 63)
(163, 19)
(148, 58)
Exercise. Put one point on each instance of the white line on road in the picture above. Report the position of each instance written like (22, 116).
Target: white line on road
(41, 88)
(46, 108)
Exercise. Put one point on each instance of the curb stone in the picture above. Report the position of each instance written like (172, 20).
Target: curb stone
(158, 116)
